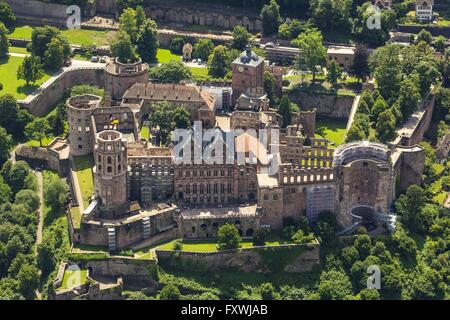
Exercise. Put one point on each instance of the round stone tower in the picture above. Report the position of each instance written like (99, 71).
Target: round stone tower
(119, 77)
(110, 174)
(81, 131)
(363, 179)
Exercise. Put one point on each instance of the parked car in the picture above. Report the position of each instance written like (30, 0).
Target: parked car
(94, 59)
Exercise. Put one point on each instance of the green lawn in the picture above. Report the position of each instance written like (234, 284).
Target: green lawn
(145, 132)
(22, 32)
(76, 217)
(83, 168)
(36, 143)
(210, 245)
(8, 77)
(199, 73)
(18, 50)
(331, 129)
(81, 37)
(89, 37)
(164, 56)
(73, 278)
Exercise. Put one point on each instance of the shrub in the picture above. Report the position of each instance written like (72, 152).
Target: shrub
(228, 237)
(170, 292)
(268, 292)
(178, 245)
(260, 237)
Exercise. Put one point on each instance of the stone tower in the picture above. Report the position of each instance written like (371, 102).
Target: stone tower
(110, 174)
(248, 73)
(81, 130)
(119, 77)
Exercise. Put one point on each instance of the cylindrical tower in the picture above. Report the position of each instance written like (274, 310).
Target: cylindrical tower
(119, 77)
(110, 174)
(81, 131)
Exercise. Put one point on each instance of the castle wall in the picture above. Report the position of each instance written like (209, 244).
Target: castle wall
(304, 259)
(326, 105)
(53, 91)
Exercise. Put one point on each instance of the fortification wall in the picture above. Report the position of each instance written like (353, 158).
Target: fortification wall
(129, 269)
(326, 105)
(53, 91)
(287, 258)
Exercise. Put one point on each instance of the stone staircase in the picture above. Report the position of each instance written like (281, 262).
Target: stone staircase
(146, 226)
(112, 239)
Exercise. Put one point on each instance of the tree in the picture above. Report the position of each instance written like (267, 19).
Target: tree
(46, 258)
(177, 44)
(140, 16)
(7, 15)
(439, 44)
(285, 111)
(385, 129)
(241, 37)
(123, 48)
(363, 245)
(271, 19)
(268, 292)
(218, 63)
(4, 43)
(203, 49)
(334, 285)
(228, 237)
(369, 294)
(260, 237)
(29, 198)
(15, 175)
(378, 107)
(173, 72)
(128, 25)
(54, 56)
(428, 74)
(56, 193)
(424, 35)
(170, 292)
(42, 36)
(28, 278)
(181, 118)
(409, 206)
(38, 129)
(370, 34)
(386, 65)
(315, 54)
(331, 14)
(270, 87)
(409, 95)
(6, 142)
(30, 70)
(334, 72)
(355, 133)
(360, 66)
(147, 41)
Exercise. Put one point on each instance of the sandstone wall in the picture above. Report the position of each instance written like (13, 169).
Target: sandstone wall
(326, 105)
(287, 258)
(52, 92)
(128, 268)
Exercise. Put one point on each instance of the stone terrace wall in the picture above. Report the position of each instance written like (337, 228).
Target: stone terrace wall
(287, 258)
(53, 91)
(327, 105)
(434, 30)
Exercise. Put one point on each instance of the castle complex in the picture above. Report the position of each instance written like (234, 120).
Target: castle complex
(142, 190)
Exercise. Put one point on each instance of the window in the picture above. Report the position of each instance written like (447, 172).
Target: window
(109, 169)
(266, 197)
(109, 160)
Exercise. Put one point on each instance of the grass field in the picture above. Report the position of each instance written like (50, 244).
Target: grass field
(75, 36)
(36, 143)
(8, 77)
(18, 50)
(73, 278)
(332, 129)
(76, 217)
(83, 168)
(145, 132)
(164, 56)
(199, 73)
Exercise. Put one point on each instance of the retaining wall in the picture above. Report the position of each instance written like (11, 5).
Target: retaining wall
(283, 258)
